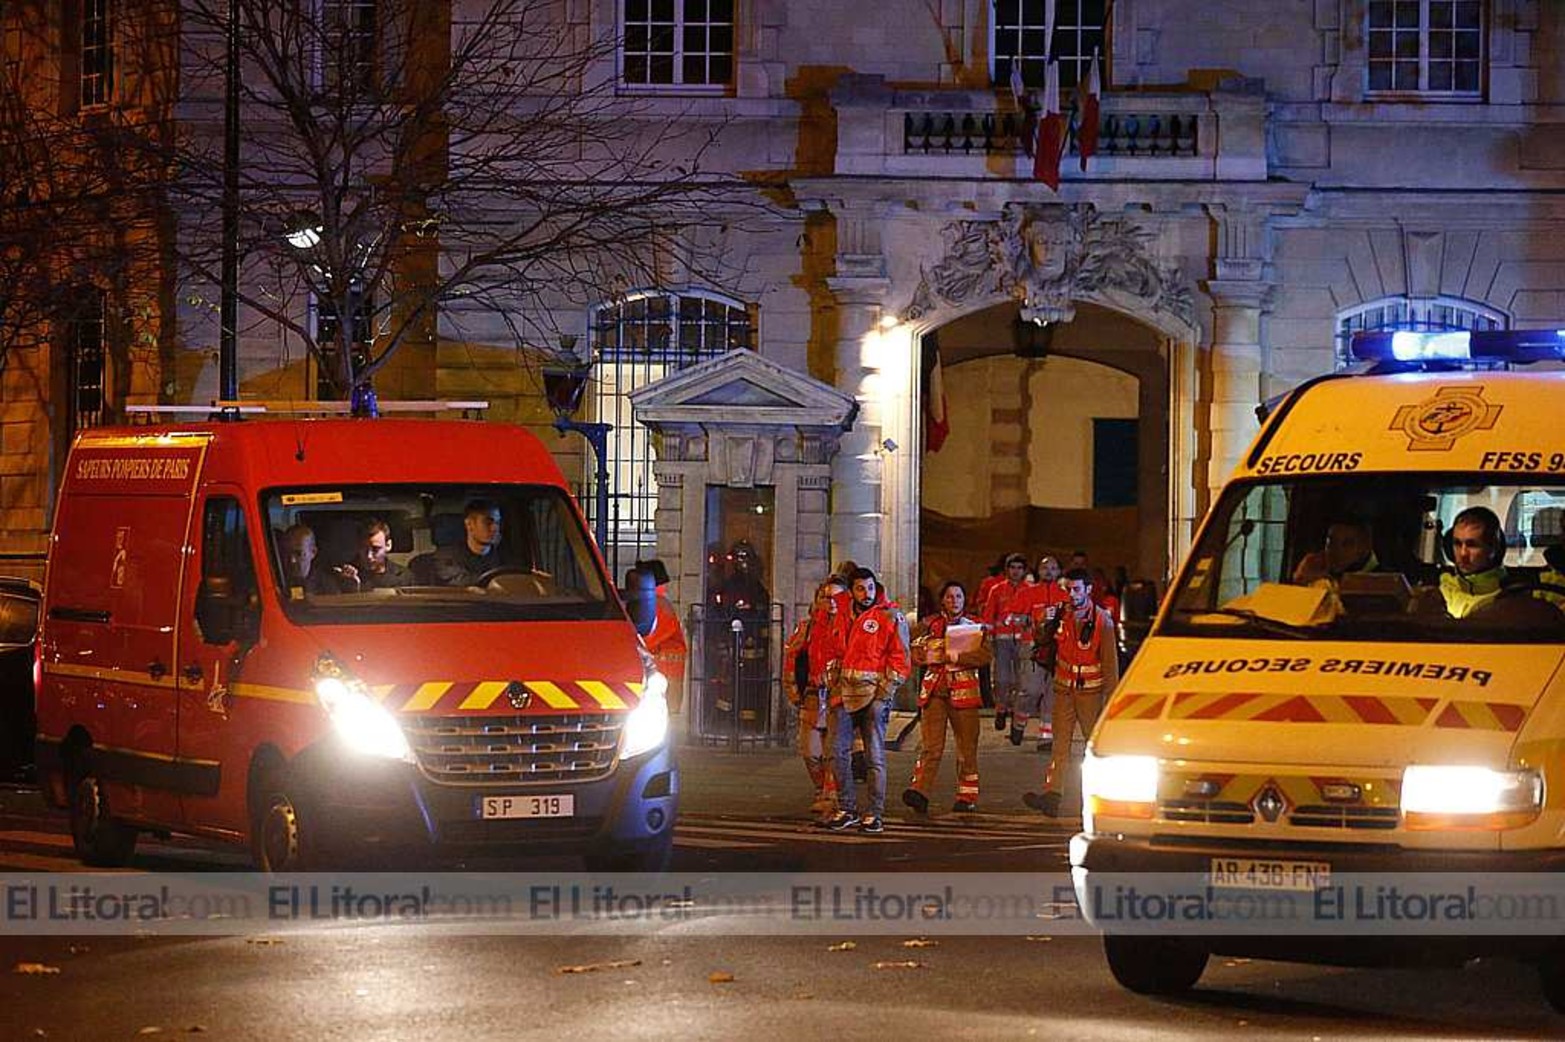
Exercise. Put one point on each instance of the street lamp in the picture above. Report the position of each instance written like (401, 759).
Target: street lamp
(563, 386)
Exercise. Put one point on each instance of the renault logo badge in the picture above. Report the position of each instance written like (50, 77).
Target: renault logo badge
(518, 695)
(1270, 804)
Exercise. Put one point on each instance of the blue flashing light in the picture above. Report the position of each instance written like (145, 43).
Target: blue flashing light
(1460, 345)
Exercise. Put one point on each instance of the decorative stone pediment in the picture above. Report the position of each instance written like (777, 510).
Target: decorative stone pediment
(1048, 255)
(741, 389)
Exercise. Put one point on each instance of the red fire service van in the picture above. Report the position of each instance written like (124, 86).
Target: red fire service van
(327, 638)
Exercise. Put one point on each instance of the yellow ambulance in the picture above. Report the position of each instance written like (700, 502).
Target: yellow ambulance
(1354, 685)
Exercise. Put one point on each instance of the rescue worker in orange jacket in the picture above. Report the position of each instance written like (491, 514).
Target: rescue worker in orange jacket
(1005, 613)
(810, 655)
(667, 641)
(1044, 600)
(874, 665)
(948, 692)
(1086, 670)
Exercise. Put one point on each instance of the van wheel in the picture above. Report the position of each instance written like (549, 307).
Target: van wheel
(278, 840)
(1551, 975)
(652, 858)
(1154, 965)
(99, 840)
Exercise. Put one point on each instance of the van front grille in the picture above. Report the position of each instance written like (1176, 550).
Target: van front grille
(507, 750)
(1344, 816)
(1210, 812)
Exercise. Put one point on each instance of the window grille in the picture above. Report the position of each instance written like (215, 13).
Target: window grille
(86, 362)
(1430, 314)
(638, 340)
(97, 52)
(1425, 47)
(1019, 31)
(349, 33)
(678, 43)
(326, 333)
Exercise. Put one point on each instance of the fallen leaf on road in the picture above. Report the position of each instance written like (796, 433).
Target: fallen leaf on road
(263, 940)
(720, 977)
(35, 969)
(804, 996)
(845, 946)
(1032, 937)
(150, 1031)
(196, 1029)
(594, 967)
(920, 942)
(908, 964)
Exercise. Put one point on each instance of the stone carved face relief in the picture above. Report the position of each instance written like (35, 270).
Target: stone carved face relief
(1048, 247)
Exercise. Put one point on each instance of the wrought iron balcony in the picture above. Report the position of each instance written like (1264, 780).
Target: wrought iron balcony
(1195, 135)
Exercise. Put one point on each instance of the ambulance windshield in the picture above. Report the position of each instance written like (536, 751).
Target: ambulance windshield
(1383, 557)
(432, 553)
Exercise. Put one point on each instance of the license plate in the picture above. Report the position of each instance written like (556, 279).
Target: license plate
(1250, 873)
(562, 806)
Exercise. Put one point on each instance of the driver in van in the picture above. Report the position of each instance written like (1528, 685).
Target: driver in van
(1349, 547)
(478, 552)
(373, 568)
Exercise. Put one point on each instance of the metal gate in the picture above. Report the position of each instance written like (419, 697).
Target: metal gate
(735, 691)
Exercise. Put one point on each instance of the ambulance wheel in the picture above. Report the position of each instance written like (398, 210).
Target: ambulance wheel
(1154, 965)
(99, 840)
(1551, 975)
(653, 858)
(277, 835)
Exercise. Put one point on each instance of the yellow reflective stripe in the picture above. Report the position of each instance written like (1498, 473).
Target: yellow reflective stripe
(426, 696)
(635, 687)
(484, 694)
(115, 676)
(602, 694)
(380, 691)
(551, 694)
(273, 694)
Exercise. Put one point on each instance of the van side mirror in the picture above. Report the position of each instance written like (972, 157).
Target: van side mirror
(224, 614)
(1137, 608)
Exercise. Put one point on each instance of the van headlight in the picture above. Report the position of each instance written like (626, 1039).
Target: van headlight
(1118, 787)
(363, 724)
(646, 726)
(1438, 797)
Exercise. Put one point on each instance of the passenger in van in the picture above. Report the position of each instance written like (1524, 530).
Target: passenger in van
(478, 552)
(1349, 547)
(299, 551)
(373, 568)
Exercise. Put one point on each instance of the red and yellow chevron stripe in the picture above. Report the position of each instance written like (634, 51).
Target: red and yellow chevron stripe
(450, 697)
(1482, 716)
(1303, 709)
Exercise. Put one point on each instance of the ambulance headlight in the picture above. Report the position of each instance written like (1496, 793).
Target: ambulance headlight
(1437, 797)
(646, 726)
(363, 724)
(1118, 786)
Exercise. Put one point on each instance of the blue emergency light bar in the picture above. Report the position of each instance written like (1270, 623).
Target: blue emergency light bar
(1460, 345)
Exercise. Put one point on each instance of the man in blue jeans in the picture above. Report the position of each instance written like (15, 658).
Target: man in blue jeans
(874, 664)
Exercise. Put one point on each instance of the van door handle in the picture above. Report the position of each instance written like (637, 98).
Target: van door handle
(156, 670)
(192, 673)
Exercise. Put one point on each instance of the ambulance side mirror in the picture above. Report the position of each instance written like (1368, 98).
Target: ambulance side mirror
(225, 614)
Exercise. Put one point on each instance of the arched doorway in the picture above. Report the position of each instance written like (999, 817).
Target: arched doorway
(1059, 441)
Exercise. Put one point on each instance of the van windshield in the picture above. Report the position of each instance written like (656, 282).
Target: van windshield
(432, 553)
(1427, 557)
